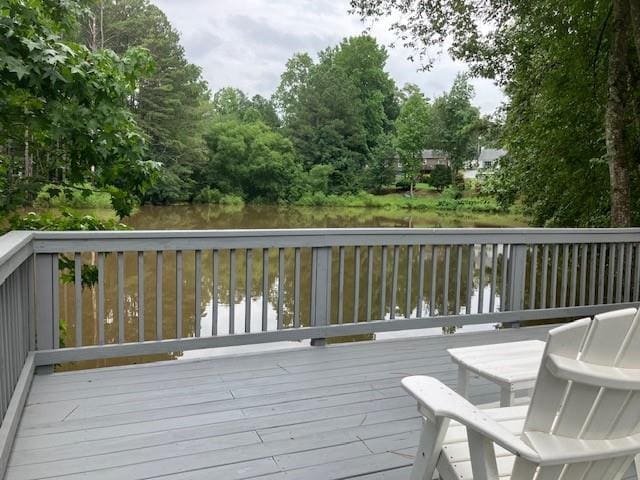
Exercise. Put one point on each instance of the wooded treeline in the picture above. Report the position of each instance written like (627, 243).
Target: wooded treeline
(571, 70)
(335, 125)
(99, 95)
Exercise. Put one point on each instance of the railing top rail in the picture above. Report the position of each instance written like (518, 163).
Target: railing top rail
(15, 248)
(53, 242)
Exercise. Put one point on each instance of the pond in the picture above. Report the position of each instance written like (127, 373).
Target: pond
(238, 217)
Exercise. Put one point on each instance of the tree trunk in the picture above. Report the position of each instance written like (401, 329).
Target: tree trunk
(634, 14)
(615, 117)
(28, 159)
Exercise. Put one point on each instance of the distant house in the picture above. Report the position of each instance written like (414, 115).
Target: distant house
(485, 163)
(431, 158)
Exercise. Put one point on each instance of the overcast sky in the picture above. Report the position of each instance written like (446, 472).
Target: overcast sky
(246, 43)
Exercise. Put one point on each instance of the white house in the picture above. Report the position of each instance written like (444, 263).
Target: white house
(485, 163)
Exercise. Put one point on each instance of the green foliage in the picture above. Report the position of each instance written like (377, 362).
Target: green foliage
(382, 168)
(337, 111)
(64, 221)
(440, 177)
(170, 103)
(456, 124)
(63, 112)
(214, 196)
(555, 61)
(412, 129)
(253, 161)
(77, 197)
(318, 178)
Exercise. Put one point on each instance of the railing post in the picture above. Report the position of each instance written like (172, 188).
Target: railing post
(46, 303)
(321, 291)
(516, 278)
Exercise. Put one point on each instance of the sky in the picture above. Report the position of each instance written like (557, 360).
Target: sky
(246, 44)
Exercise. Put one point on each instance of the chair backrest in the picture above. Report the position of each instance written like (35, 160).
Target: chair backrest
(588, 388)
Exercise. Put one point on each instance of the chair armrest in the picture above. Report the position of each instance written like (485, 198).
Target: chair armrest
(437, 400)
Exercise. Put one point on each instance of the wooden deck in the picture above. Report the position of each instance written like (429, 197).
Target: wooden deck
(313, 413)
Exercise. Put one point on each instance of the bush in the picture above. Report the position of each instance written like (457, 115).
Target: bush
(78, 197)
(403, 185)
(214, 196)
(440, 177)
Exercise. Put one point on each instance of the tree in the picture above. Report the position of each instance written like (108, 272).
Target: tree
(251, 160)
(412, 128)
(336, 111)
(529, 50)
(382, 168)
(64, 108)
(455, 124)
(171, 102)
(440, 177)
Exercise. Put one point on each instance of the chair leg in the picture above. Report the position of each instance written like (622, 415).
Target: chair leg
(637, 464)
(429, 448)
(462, 386)
(506, 397)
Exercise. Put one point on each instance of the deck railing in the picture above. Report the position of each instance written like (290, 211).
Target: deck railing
(133, 293)
(72, 296)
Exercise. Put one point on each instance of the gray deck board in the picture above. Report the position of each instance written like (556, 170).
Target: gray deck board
(332, 412)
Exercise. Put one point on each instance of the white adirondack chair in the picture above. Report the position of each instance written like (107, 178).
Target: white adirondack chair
(583, 422)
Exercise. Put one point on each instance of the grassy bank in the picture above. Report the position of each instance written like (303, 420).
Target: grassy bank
(445, 202)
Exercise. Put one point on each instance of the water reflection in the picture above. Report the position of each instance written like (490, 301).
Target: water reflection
(455, 292)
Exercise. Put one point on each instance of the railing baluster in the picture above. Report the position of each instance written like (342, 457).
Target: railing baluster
(483, 249)
(120, 279)
(447, 267)
(383, 283)
(583, 274)
(420, 301)
(281, 266)
(611, 272)
(78, 297)
(636, 286)
(248, 283)
(543, 279)
(5, 389)
(312, 293)
(356, 283)
(265, 289)
(470, 267)
(554, 276)
(574, 274)
(494, 277)
(159, 292)
(340, 284)
(198, 291)
(215, 283)
(407, 302)
(503, 286)
(232, 291)
(394, 281)
(533, 276)
(602, 265)
(565, 271)
(620, 273)
(179, 287)
(627, 273)
(296, 289)
(141, 296)
(369, 282)
(592, 273)
(434, 280)
(458, 279)
(100, 298)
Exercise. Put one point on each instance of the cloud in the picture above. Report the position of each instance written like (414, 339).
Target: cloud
(246, 43)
